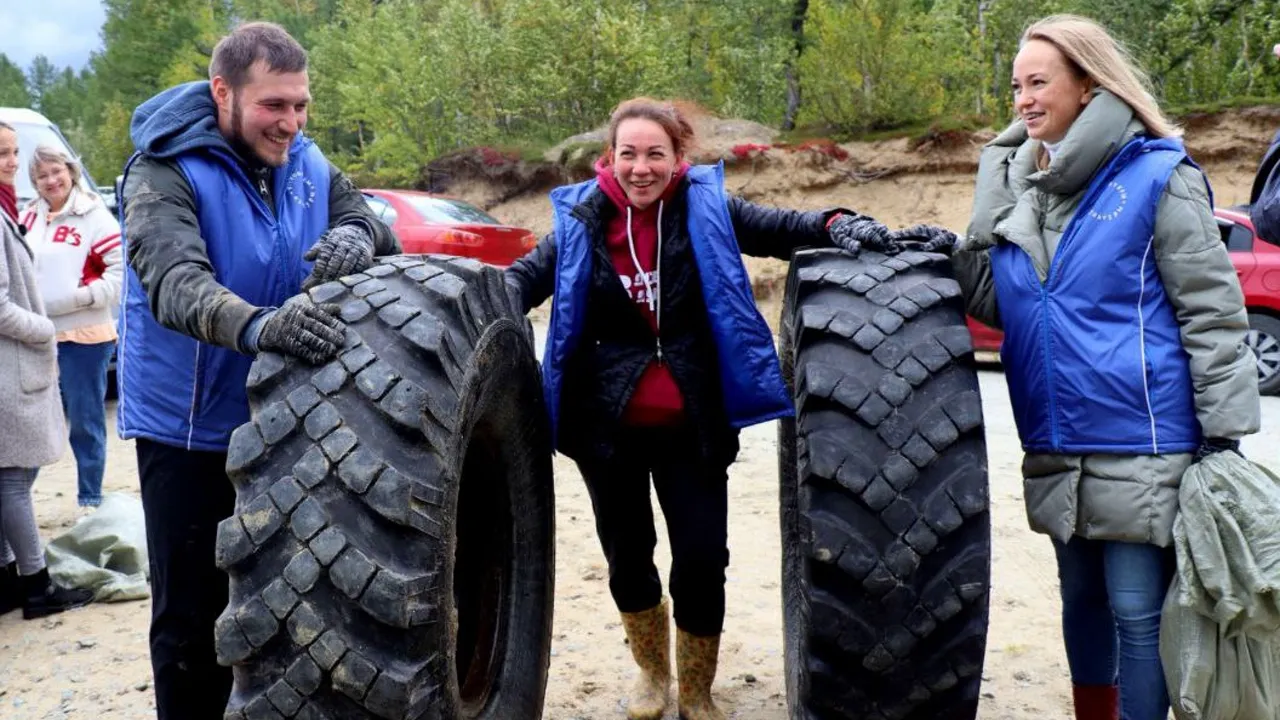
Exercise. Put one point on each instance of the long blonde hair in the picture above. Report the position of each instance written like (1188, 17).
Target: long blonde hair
(1099, 56)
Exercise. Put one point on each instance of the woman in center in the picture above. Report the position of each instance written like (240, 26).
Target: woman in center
(656, 356)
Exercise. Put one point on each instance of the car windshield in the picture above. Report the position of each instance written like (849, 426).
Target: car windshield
(30, 136)
(440, 210)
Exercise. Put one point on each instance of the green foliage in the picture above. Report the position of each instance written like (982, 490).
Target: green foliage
(13, 84)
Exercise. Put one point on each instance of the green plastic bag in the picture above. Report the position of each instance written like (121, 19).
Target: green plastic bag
(105, 552)
(1220, 623)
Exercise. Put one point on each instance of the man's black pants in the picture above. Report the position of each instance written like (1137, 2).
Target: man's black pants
(694, 499)
(185, 494)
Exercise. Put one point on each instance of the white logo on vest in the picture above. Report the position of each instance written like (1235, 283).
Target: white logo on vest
(302, 190)
(1117, 195)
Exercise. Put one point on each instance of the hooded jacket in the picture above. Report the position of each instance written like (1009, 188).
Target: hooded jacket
(1264, 198)
(1114, 496)
(592, 371)
(211, 239)
(78, 260)
(633, 236)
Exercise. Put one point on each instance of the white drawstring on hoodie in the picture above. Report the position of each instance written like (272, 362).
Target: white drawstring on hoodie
(652, 281)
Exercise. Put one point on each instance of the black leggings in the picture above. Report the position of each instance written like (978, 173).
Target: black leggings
(694, 499)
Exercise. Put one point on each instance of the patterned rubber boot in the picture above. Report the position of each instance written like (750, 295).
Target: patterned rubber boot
(1096, 702)
(649, 634)
(696, 659)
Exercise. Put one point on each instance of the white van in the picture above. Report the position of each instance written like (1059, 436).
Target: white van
(35, 129)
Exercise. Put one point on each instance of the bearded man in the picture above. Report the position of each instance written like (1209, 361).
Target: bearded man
(230, 211)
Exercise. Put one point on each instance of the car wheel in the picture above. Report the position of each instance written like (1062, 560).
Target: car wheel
(1264, 341)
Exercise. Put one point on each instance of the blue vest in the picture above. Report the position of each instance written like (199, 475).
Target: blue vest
(1093, 356)
(174, 389)
(750, 378)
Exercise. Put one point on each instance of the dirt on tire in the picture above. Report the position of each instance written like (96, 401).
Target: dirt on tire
(885, 511)
(391, 551)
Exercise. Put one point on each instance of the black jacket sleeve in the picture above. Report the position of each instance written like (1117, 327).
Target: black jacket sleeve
(777, 232)
(1264, 198)
(347, 207)
(170, 258)
(532, 278)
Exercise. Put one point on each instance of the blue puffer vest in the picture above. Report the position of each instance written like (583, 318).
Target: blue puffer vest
(1093, 356)
(750, 376)
(179, 391)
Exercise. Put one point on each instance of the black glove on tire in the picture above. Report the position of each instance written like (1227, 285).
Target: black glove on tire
(1211, 446)
(304, 330)
(926, 238)
(341, 251)
(855, 233)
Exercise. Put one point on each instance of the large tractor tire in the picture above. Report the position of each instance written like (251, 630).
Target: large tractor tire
(391, 551)
(885, 522)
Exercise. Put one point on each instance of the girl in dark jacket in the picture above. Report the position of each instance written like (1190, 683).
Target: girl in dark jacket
(656, 357)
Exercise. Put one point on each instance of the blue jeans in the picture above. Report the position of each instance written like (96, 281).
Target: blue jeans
(82, 378)
(1112, 594)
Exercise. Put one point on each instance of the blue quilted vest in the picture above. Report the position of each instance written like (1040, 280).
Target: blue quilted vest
(1093, 356)
(179, 391)
(750, 377)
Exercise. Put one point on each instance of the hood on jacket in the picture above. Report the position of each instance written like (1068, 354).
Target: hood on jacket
(177, 120)
(613, 189)
(1101, 129)
(1008, 166)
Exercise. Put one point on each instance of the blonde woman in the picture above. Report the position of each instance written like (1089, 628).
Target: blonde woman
(79, 267)
(1093, 244)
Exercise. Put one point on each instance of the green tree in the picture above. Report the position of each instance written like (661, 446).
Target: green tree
(40, 78)
(13, 84)
(863, 67)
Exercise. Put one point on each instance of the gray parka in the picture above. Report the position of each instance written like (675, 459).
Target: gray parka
(1113, 497)
(32, 429)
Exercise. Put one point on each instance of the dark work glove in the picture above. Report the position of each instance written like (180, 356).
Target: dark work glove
(926, 238)
(855, 233)
(1210, 446)
(300, 328)
(341, 251)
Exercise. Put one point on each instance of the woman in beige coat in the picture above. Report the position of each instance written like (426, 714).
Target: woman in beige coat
(1093, 244)
(31, 427)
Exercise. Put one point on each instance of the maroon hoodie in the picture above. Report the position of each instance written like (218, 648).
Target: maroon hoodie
(656, 400)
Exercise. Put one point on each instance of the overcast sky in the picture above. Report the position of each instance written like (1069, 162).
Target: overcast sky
(65, 31)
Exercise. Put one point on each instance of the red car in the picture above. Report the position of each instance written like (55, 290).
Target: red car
(1258, 266)
(431, 224)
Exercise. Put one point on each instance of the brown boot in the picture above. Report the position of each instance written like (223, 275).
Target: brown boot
(696, 661)
(1096, 702)
(649, 635)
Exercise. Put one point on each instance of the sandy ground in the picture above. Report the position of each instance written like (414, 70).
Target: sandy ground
(92, 663)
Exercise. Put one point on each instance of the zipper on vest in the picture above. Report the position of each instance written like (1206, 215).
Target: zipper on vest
(1054, 433)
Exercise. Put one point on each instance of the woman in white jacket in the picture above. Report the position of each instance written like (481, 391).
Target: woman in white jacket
(79, 269)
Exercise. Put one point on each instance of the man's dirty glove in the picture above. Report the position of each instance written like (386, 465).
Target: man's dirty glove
(855, 233)
(1211, 446)
(926, 238)
(299, 328)
(341, 251)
